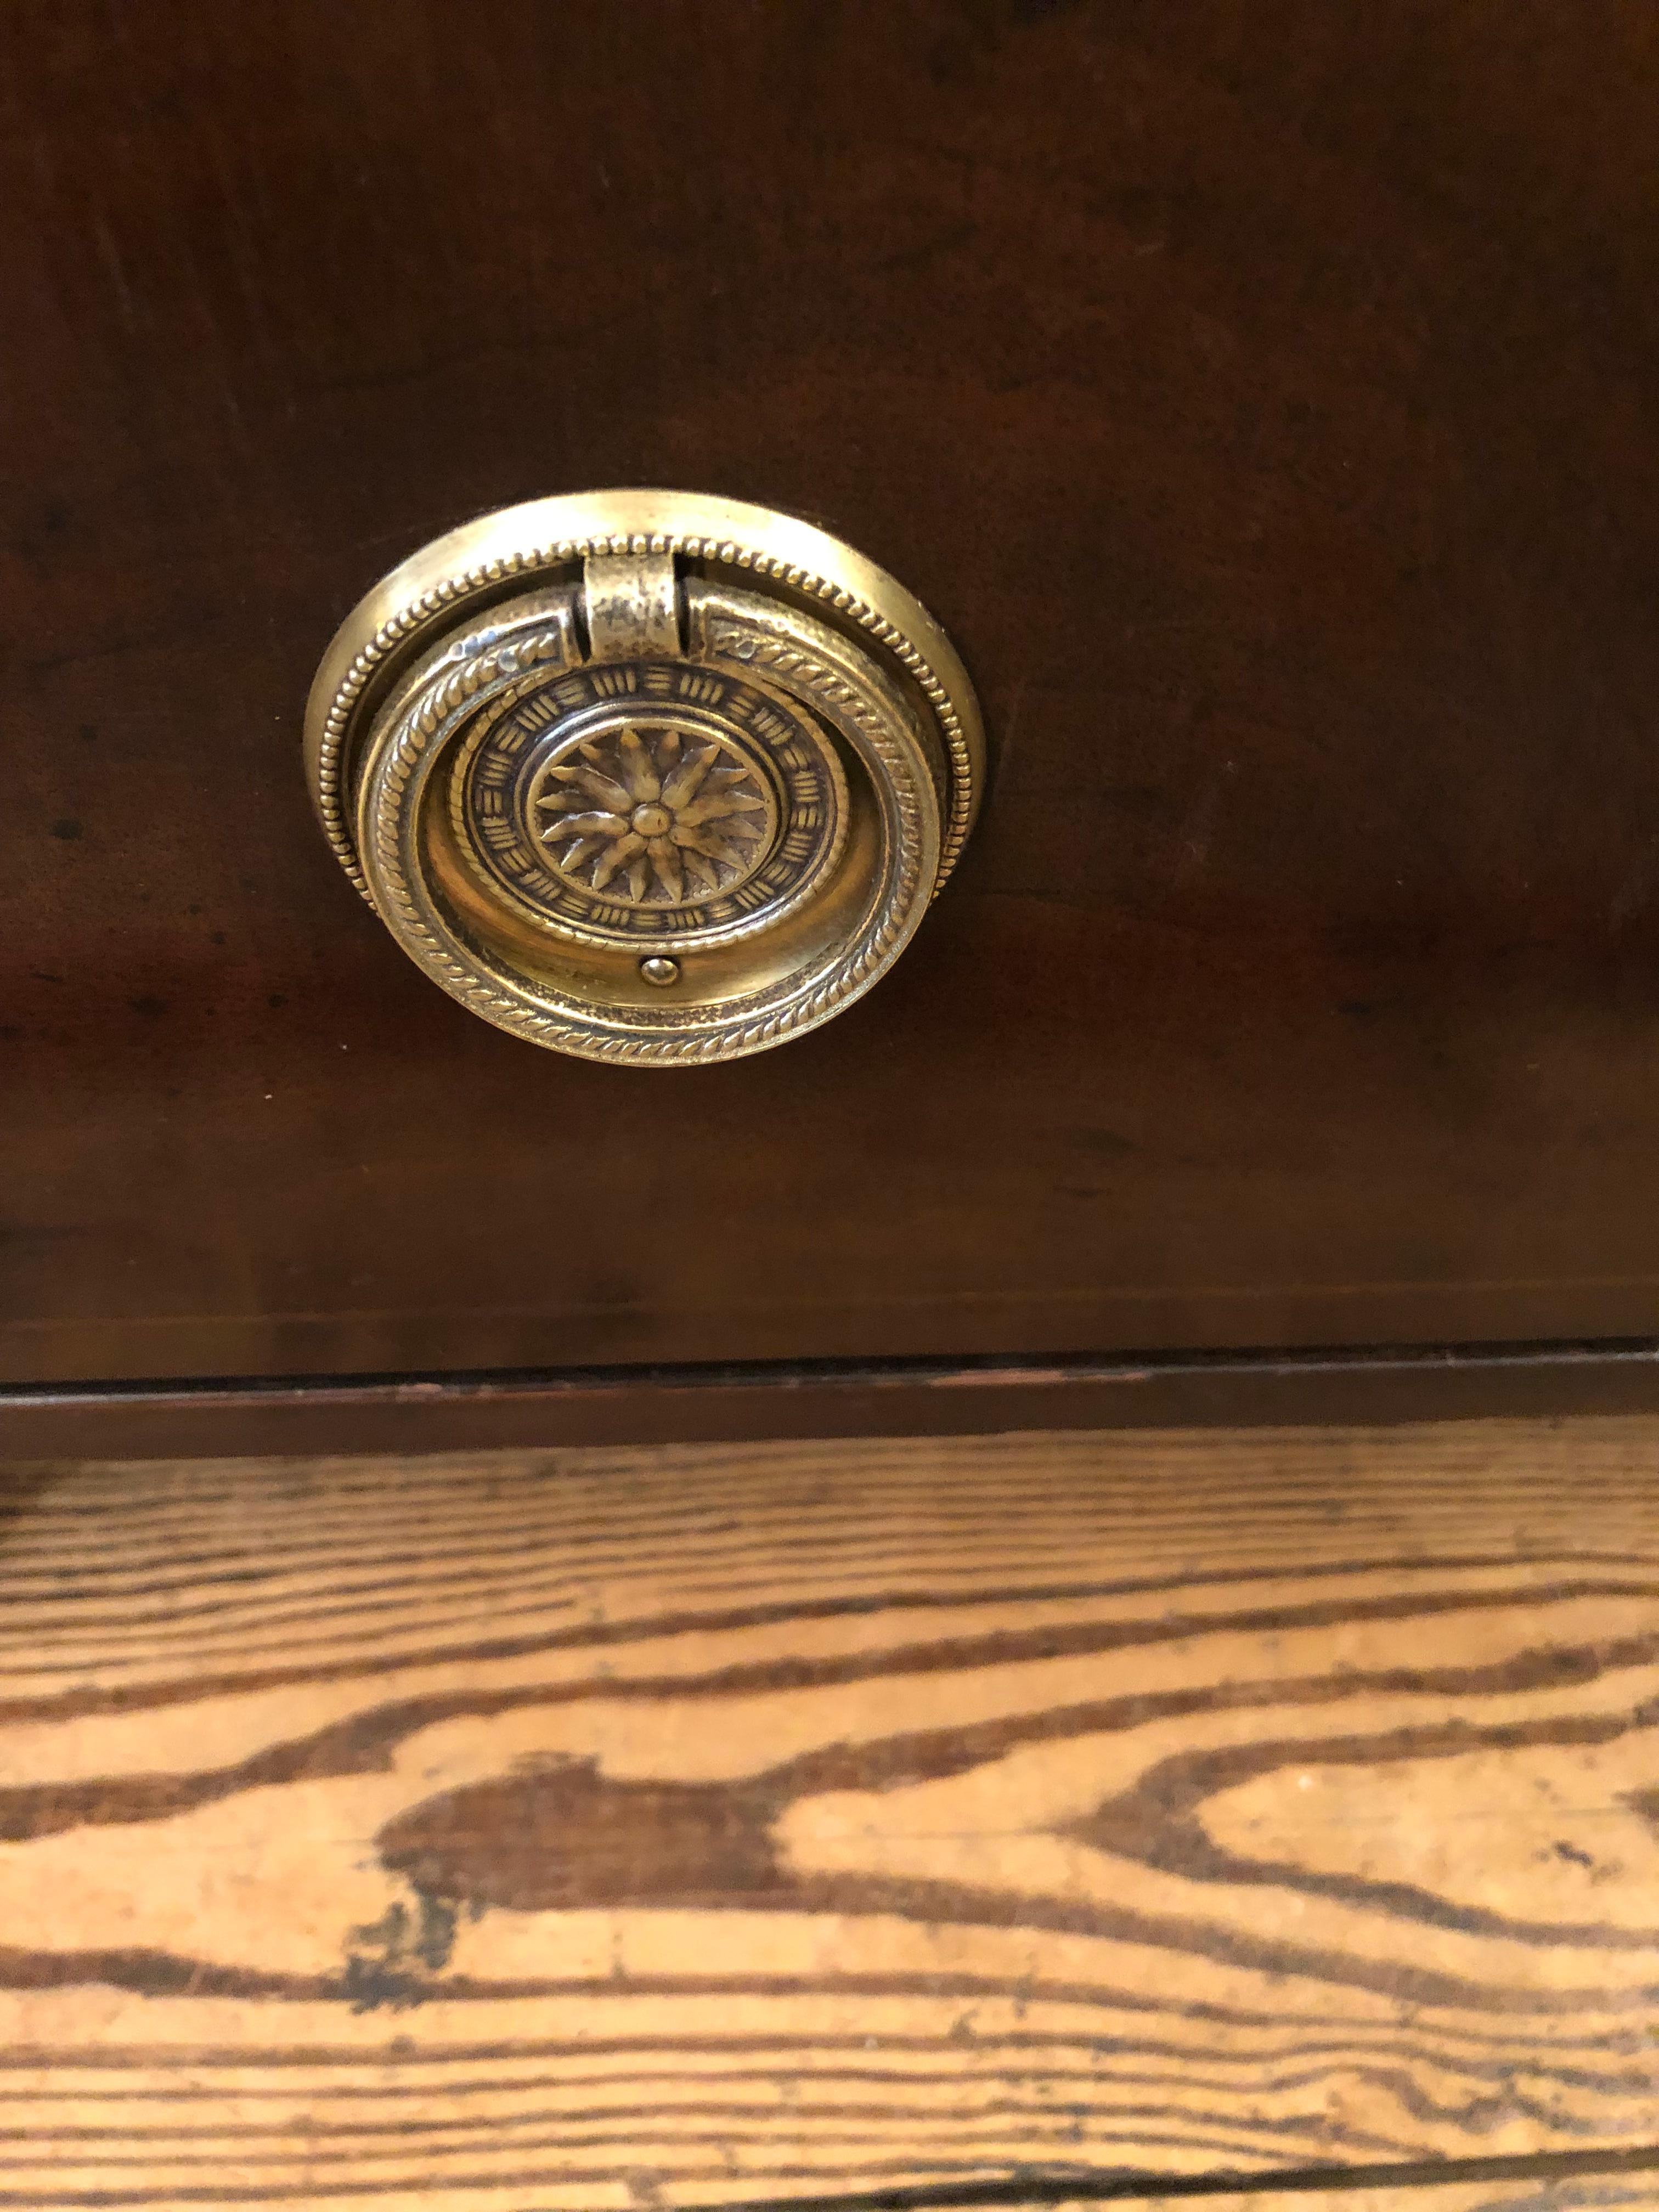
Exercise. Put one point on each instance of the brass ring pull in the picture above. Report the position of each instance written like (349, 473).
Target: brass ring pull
(644, 776)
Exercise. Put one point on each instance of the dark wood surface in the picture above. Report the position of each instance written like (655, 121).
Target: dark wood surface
(1264, 394)
(610, 1830)
(780, 1401)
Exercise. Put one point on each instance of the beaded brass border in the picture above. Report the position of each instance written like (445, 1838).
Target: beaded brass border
(526, 541)
(752, 637)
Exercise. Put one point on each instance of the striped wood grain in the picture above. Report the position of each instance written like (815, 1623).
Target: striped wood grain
(1579, 2193)
(721, 1825)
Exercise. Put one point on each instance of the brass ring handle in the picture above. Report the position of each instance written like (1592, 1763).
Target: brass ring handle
(644, 776)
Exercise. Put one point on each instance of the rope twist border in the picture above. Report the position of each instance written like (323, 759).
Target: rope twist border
(400, 897)
(454, 591)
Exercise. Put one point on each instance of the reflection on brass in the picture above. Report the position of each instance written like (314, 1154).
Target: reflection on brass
(643, 776)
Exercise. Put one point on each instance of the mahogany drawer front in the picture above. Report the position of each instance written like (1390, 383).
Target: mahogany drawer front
(1262, 397)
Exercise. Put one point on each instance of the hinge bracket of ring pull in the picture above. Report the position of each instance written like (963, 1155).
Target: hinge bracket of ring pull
(630, 604)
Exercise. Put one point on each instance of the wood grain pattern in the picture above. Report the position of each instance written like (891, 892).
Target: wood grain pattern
(1262, 392)
(1535, 2193)
(612, 1828)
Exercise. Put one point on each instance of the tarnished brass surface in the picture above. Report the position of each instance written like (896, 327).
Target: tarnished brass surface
(645, 776)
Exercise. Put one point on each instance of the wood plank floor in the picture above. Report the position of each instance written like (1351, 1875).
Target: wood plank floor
(717, 1826)
(1536, 2193)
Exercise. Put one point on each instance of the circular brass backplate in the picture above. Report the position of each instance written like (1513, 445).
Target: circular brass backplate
(645, 776)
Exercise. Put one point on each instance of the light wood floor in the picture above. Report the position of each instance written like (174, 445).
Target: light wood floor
(711, 1827)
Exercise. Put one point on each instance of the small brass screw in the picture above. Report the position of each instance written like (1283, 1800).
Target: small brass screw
(660, 970)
